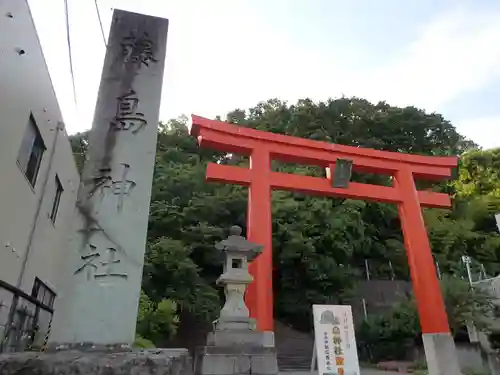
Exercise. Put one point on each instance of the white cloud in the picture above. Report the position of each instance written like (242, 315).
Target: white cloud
(455, 53)
(485, 131)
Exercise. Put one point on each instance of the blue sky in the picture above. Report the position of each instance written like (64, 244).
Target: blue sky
(441, 55)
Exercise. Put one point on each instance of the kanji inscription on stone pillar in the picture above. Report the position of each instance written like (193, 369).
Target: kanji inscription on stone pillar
(127, 115)
(98, 264)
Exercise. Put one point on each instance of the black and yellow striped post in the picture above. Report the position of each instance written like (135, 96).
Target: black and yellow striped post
(46, 338)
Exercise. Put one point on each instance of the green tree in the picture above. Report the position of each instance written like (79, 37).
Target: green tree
(155, 321)
(470, 227)
(479, 174)
(390, 335)
(170, 273)
(79, 144)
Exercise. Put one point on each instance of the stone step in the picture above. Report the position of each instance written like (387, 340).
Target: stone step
(294, 363)
(294, 352)
(294, 359)
(300, 351)
(305, 367)
(294, 368)
(293, 349)
(288, 344)
(289, 355)
(300, 363)
(305, 364)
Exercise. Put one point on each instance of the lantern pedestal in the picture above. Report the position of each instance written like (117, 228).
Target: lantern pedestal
(233, 360)
(241, 338)
(240, 324)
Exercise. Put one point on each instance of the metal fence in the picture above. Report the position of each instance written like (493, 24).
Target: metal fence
(24, 321)
(388, 281)
(466, 268)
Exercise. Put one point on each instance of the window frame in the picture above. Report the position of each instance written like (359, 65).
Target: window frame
(25, 156)
(56, 201)
(38, 285)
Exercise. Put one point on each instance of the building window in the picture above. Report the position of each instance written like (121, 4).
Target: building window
(43, 293)
(31, 152)
(57, 198)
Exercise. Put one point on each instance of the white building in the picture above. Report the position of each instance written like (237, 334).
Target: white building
(39, 181)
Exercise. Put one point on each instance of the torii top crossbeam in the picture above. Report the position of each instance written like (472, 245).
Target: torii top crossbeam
(262, 147)
(229, 138)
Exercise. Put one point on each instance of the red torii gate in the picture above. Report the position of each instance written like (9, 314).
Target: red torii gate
(262, 147)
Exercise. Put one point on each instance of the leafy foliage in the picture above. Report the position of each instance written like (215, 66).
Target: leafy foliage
(155, 321)
(79, 144)
(479, 174)
(142, 343)
(388, 336)
(171, 273)
(465, 305)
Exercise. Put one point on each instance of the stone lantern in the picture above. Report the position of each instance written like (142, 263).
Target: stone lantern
(237, 252)
(235, 347)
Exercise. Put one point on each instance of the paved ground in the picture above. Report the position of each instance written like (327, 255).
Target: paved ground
(363, 372)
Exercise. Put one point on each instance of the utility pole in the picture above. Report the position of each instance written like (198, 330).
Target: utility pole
(367, 269)
(438, 270)
(471, 329)
(467, 261)
(393, 276)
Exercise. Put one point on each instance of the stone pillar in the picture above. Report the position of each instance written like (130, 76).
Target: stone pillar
(99, 300)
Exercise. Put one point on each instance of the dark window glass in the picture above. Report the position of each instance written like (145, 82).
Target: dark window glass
(57, 198)
(31, 152)
(43, 293)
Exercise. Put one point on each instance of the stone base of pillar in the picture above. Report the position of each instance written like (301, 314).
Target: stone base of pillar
(441, 354)
(233, 352)
(73, 362)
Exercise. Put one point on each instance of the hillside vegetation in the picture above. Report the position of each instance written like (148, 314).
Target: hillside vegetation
(320, 244)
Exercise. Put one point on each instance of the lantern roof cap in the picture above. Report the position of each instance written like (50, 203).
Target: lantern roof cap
(236, 243)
